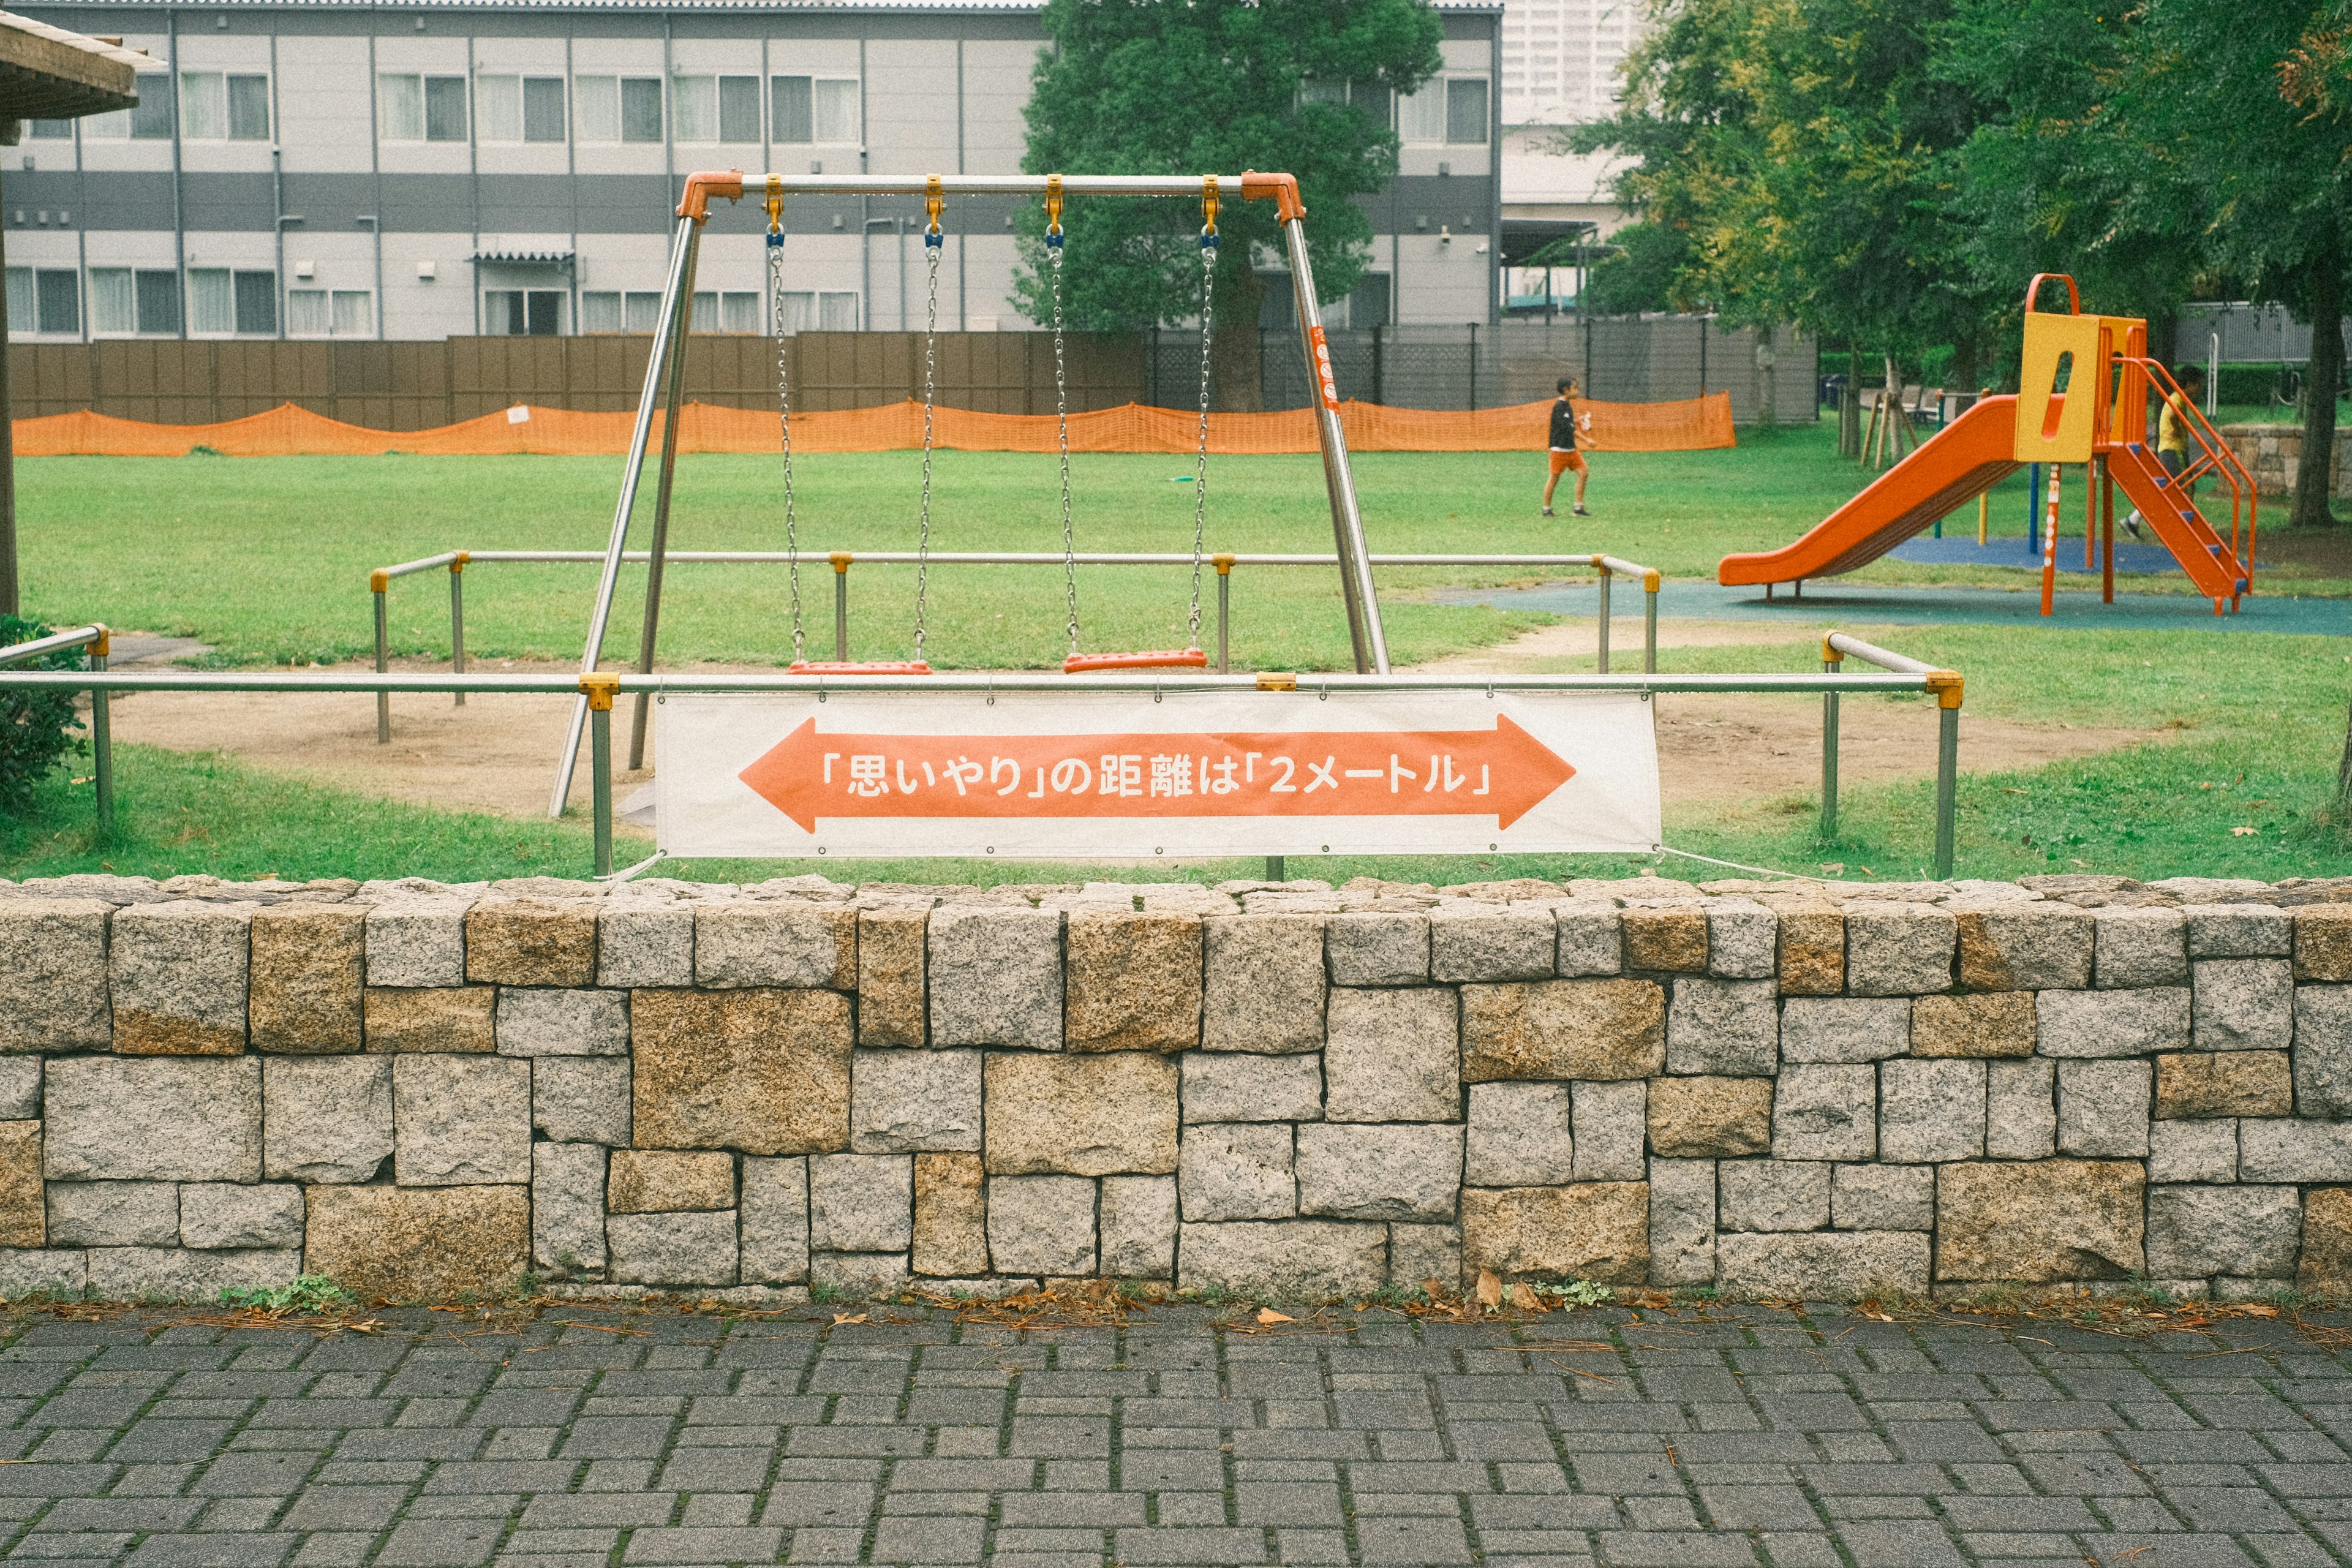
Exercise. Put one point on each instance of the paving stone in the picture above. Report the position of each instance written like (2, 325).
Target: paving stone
(1931, 1111)
(1303, 1259)
(1377, 948)
(580, 1099)
(1137, 1223)
(562, 1022)
(664, 1181)
(2014, 946)
(644, 941)
(861, 1203)
(1042, 1225)
(1231, 1087)
(531, 942)
(2021, 1110)
(1772, 1194)
(1232, 1171)
(177, 973)
(1393, 1055)
(2323, 1050)
(774, 1221)
(1898, 950)
(2224, 1083)
(223, 1214)
(427, 1244)
(1812, 949)
(567, 1208)
(2102, 1106)
(460, 1121)
(2137, 947)
(1264, 985)
(447, 1018)
(1596, 1030)
(2041, 1222)
(1710, 1116)
(1882, 1197)
(1100, 1115)
(1134, 981)
(1669, 939)
(1725, 1027)
(111, 1214)
(53, 985)
(893, 1004)
(1824, 1265)
(1480, 942)
(417, 941)
(2194, 1232)
(672, 1248)
(305, 963)
(1592, 1230)
(1589, 940)
(2238, 931)
(1519, 1135)
(2192, 1152)
(1844, 1028)
(763, 1071)
(1391, 1171)
(1983, 1023)
(996, 977)
(1825, 1112)
(326, 1120)
(1742, 939)
(1611, 1126)
(158, 1121)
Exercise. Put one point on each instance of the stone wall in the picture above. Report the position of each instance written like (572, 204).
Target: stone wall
(1777, 1088)
(2272, 454)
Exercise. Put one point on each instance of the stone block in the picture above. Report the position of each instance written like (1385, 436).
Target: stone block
(176, 1274)
(1377, 948)
(753, 943)
(1743, 940)
(1137, 1220)
(950, 1216)
(1393, 1171)
(1845, 1265)
(2103, 1108)
(1589, 940)
(2020, 946)
(1519, 1135)
(22, 1216)
(1419, 1253)
(2238, 931)
(1563, 1030)
(672, 1248)
(580, 1099)
(2294, 1151)
(1979, 1024)
(2224, 1083)
(1611, 1126)
(567, 1208)
(2323, 1050)
(460, 1121)
(1490, 942)
(2194, 1232)
(1264, 986)
(2192, 1152)
(445, 1018)
(644, 941)
(417, 942)
(1727, 1026)
(1080, 1116)
(1882, 1197)
(1298, 1259)
(58, 1273)
(220, 1216)
(2040, 1222)
(761, 1071)
(901, 1101)
(893, 1008)
(2326, 1262)
(1671, 940)
(111, 1119)
(562, 1022)
(1825, 1111)
(667, 1180)
(860, 1276)
(1134, 981)
(113, 1214)
(1844, 1028)
(531, 942)
(1595, 1230)
(2242, 1004)
(1930, 1112)
(774, 1220)
(996, 977)
(1682, 1222)
(1238, 1171)
(861, 1203)
(1042, 1226)
(20, 1088)
(1898, 950)
(2021, 1110)
(1772, 1194)
(177, 973)
(1811, 950)
(53, 989)
(2322, 943)
(419, 1244)
(326, 1120)
(305, 962)
(2111, 1022)
(2138, 947)
(1393, 1055)
(1697, 1117)
(1235, 1088)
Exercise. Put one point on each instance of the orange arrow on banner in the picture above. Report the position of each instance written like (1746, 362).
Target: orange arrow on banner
(1503, 773)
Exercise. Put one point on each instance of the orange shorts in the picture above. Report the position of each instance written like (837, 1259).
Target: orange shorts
(1561, 461)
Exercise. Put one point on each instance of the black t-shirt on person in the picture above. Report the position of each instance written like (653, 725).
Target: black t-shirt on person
(1563, 426)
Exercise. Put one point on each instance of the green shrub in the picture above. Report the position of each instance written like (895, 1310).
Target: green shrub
(35, 727)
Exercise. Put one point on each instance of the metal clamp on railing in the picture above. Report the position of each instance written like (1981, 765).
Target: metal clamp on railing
(96, 639)
(1948, 687)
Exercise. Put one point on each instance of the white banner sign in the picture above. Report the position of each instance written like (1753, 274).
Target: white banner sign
(1078, 774)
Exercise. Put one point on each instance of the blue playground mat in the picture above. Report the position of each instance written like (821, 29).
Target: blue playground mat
(1955, 550)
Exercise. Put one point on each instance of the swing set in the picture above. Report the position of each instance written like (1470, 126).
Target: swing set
(665, 383)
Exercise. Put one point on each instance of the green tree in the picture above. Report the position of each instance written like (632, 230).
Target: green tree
(1214, 86)
(1638, 273)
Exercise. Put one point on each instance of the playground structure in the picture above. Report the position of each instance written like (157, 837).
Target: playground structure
(2086, 383)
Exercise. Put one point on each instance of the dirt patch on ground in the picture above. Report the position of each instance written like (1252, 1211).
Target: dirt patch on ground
(1576, 638)
(2319, 552)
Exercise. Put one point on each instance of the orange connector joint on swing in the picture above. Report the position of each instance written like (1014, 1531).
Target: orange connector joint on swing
(700, 188)
(1280, 189)
(1172, 658)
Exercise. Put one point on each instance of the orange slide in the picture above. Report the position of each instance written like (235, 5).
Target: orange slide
(1954, 466)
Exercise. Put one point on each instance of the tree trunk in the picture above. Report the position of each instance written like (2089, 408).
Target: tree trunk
(1233, 363)
(2315, 477)
(2343, 780)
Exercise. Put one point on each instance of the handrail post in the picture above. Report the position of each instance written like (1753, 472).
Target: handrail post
(378, 582)
(1947, 686)
(599, 689)
(1606, 577)
(1650, 623)
(841, 559)
(1225, 564)
(1832, 663)
(101, 739)
(457, 621)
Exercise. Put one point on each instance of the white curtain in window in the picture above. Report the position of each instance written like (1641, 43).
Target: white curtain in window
(306, 312)
(204, 106)
(212, 301)
(20, 298)
(114, 127)
(596, 107)
(706, 311)
(800, 312)
(599, 311)
(1421, 116)
(640, 311)
(739, 312)
(837, 111)
(694, 107)
(837, 312)
(400, 108)
(497, 108)
(354, 313)
(113, 308)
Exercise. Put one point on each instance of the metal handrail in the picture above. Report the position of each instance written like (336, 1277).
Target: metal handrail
(96, 638)
(1948, 687)
(2221, 455)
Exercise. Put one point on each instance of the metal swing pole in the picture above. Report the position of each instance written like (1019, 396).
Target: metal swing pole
(689, 222)
(661, 499)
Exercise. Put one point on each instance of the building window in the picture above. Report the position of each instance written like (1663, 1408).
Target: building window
(321, 312)
(542, 109)
(731, 311)
(51, 129)
(519, 108)
(1466, 111)
(1370, 99)
(714, 109)
(149, 119)
(122, 300)
(421, 108)
(522, 312)
(216, 107)
(223, 301)
(814, 108)
(824, 312)
(44, 300)
(611, 311)
(618, 109)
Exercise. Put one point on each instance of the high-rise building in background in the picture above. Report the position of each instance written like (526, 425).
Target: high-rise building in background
(1560, 65)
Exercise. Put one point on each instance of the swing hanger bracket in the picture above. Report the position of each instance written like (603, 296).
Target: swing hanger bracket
(1054, 212)
(1209, 213)
(1282, 190)
(775, 209)
(700, 188)
(932, 202)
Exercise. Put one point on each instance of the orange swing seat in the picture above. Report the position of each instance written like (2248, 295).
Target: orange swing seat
(1170, 658)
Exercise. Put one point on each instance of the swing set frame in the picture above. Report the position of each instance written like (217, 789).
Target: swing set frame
(665, 385)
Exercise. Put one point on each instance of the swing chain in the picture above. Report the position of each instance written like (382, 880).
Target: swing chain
(1200, 459)
(784, 398)
(1062, 397)
(931, 244)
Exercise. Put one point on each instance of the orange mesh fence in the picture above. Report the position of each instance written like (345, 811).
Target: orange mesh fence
(288, 431)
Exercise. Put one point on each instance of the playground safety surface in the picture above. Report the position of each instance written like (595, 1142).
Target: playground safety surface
(1851, 606)
(573, 1435)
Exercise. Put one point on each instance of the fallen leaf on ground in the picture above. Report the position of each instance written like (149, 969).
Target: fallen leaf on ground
(1490, 1289)
(1524, 1299)
(841, 1318)
(1268, 1315)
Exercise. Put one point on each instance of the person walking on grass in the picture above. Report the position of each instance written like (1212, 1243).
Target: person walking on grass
(1564, 455)
(2172, 434)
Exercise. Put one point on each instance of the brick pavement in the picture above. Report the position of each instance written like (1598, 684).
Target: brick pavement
(580, 1436)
